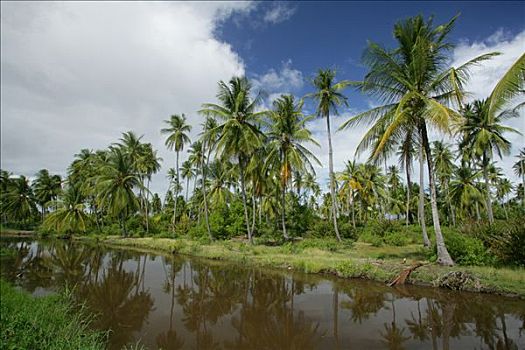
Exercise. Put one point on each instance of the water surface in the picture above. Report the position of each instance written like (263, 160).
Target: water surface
(182, 303)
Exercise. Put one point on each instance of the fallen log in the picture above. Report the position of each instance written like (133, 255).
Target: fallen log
(402, 277)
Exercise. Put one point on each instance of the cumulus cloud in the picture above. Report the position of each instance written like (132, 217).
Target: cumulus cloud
(485, 77)
(285, 79)
(77, 74)
(279, 12)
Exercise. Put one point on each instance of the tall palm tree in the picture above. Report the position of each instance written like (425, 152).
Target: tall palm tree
(329, 97)
(147, 164)
(464, 190)
(519, 168)
(483, 134)
(239, 134)
(416, 86)
(503, 189)
(177, 132)
(198, 158)
(286, 153)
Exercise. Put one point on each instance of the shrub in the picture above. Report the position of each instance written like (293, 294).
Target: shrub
(466, 250)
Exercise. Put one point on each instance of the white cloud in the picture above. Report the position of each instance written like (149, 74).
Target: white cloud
(286, 79)
(279, 12)
(77, 74)
(485, 77)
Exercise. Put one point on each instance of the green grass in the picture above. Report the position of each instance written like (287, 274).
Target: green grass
(347, 260)
(42, 323)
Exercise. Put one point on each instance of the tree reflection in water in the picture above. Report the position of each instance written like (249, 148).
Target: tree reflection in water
(220, 306)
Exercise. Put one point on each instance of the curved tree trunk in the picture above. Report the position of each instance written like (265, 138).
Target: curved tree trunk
(283, 211)
(487, 188)
(332, 178)
(442, 252)
(426, 241)
(244, 201)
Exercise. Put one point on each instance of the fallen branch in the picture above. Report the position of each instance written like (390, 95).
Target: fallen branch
(402, 277)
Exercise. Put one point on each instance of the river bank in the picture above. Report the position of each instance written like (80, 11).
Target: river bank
(359, 260)
(345, 260)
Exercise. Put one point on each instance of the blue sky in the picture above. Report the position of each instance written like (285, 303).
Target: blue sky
(77, 74)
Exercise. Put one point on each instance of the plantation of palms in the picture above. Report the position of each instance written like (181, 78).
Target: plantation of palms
(250, 173)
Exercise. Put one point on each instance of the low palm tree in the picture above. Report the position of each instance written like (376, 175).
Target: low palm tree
(177, 131)
(46, 188)
(70, 215)
(329, 97)
(20, 201)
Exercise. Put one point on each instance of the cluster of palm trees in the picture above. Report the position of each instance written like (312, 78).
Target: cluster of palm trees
(262, 157)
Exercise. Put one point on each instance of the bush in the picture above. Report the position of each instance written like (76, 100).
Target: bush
(466, 250)
(42, 323)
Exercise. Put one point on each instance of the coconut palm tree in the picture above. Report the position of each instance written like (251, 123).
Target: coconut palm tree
(329, 97)
(519, 168)
(503, 189)
(46, 188)
(188, 173)
(417, 86)
(115, 186)
(238, 133)
(70, 215)
(444, 167)
(177, 132)
(198, 158)
(147, 164)
(464, 189)
(20, 201)
(286, 153)
(483, 134)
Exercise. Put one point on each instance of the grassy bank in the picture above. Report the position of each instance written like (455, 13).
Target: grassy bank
(357, 260)
(42, 323)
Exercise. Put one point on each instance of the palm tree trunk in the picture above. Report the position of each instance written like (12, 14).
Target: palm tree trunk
(353, 208)
(407, 169)
(442, 252)
(487, 188)
(244, 201)
(426, 241)
(146, 207)
(332, 178)
(175, 191)
(451, 207)
(283, 211)
(187, 188)
(254, 209)
(203, 173)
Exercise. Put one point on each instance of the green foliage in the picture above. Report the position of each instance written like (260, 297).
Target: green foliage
(467, 250)
(42, 323)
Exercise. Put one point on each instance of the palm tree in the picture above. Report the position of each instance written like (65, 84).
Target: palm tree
(147, 164)
(177, 137)
(464, 190)
(20, 202)
(503, 189)
(286, 153)
(483, 134)
(70, 215)
(197, 158)
(519, 168)
(416, 86)
(239, 134)
(187, 173)
(115, 186)
(46, 188)
(444, 167)
(329, 97)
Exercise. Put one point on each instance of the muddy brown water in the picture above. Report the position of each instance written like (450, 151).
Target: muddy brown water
(184, 303)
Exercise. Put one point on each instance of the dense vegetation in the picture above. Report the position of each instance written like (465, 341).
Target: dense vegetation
(43, 323)
(252, 169)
